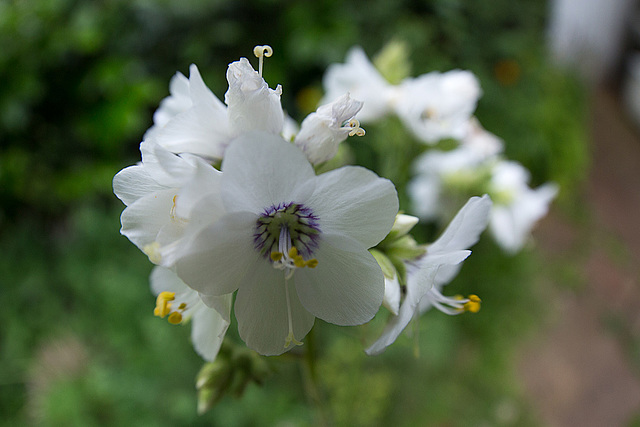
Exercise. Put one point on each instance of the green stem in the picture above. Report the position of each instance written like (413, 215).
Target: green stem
(310, 377)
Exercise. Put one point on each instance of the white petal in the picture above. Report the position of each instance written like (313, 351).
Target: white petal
(252, 105)
(360, 78)
(208, 328)
(261, 310)
(355, 202)
(465, 228)
(261, 170)
(392, 294)
(220, 256)
(201, 94)
(165, 167)
(417, 286)
(177, 102)
(200, 130)
(347, 286)
(134, 182)
(222, 304)
(143, 219)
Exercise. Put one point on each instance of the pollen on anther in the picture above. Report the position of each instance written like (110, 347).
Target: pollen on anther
(175, 318)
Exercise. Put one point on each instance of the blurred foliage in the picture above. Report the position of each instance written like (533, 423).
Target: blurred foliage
(79, 345)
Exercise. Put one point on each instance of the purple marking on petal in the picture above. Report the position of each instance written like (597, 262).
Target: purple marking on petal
(302, 224)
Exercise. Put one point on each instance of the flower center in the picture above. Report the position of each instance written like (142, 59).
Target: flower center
(165, 305)
(287, 235)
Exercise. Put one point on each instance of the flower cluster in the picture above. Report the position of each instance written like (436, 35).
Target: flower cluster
(437, 106)
(228, 203)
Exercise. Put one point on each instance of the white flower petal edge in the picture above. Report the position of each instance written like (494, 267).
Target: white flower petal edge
(208, 325)
(442, 256)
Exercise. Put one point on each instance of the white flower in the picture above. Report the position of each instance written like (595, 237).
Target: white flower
(181, 304)
(151, 190)
(293, 244)
(323, 130)
(208, 126)
(442, 172)
(436, 105)
(177, 102)
(360, 78)
(518, 207)
(438, 266)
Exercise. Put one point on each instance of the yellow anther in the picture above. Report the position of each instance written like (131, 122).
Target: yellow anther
(473, 305)
(163, 306)
(261, 52)
(175, 318)
(356, 129)
(293, 252)
(312, 263)
(182, 306)
(276, 256)
(298, 261)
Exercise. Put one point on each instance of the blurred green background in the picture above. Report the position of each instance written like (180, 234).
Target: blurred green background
(81, 79)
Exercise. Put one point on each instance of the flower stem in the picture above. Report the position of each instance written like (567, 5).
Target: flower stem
(310, 378)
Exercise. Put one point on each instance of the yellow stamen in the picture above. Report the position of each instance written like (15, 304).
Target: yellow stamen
(356, 129)
(473, 305)
(312, 263)
(276, 256)
(260, 52)
(163, 306)
(293, 252)
(175, 318)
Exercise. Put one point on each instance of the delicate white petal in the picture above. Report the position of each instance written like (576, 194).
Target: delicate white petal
(222, 304)
(206, 180)
(201, 130)
(220, 256)
(465, 228)
(323, 130)
(290, 128)
(172, 105)
(261, 170)
(143, 219)
(418, 285)
(512, 224)
(201, 94)
(355, 202)
(134, 182)
(208, 328)
(360, 78)
(252, 105)
(392, 294)
(165, 167)
(261, 310)
(347, 286)
(438, 105)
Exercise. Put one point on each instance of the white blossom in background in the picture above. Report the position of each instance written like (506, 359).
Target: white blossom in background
(433, 106)
(439, 265)
(293, 244)
(181, 304)
(518, 207)
(358, 77)
(436, 106)
(322, 130)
